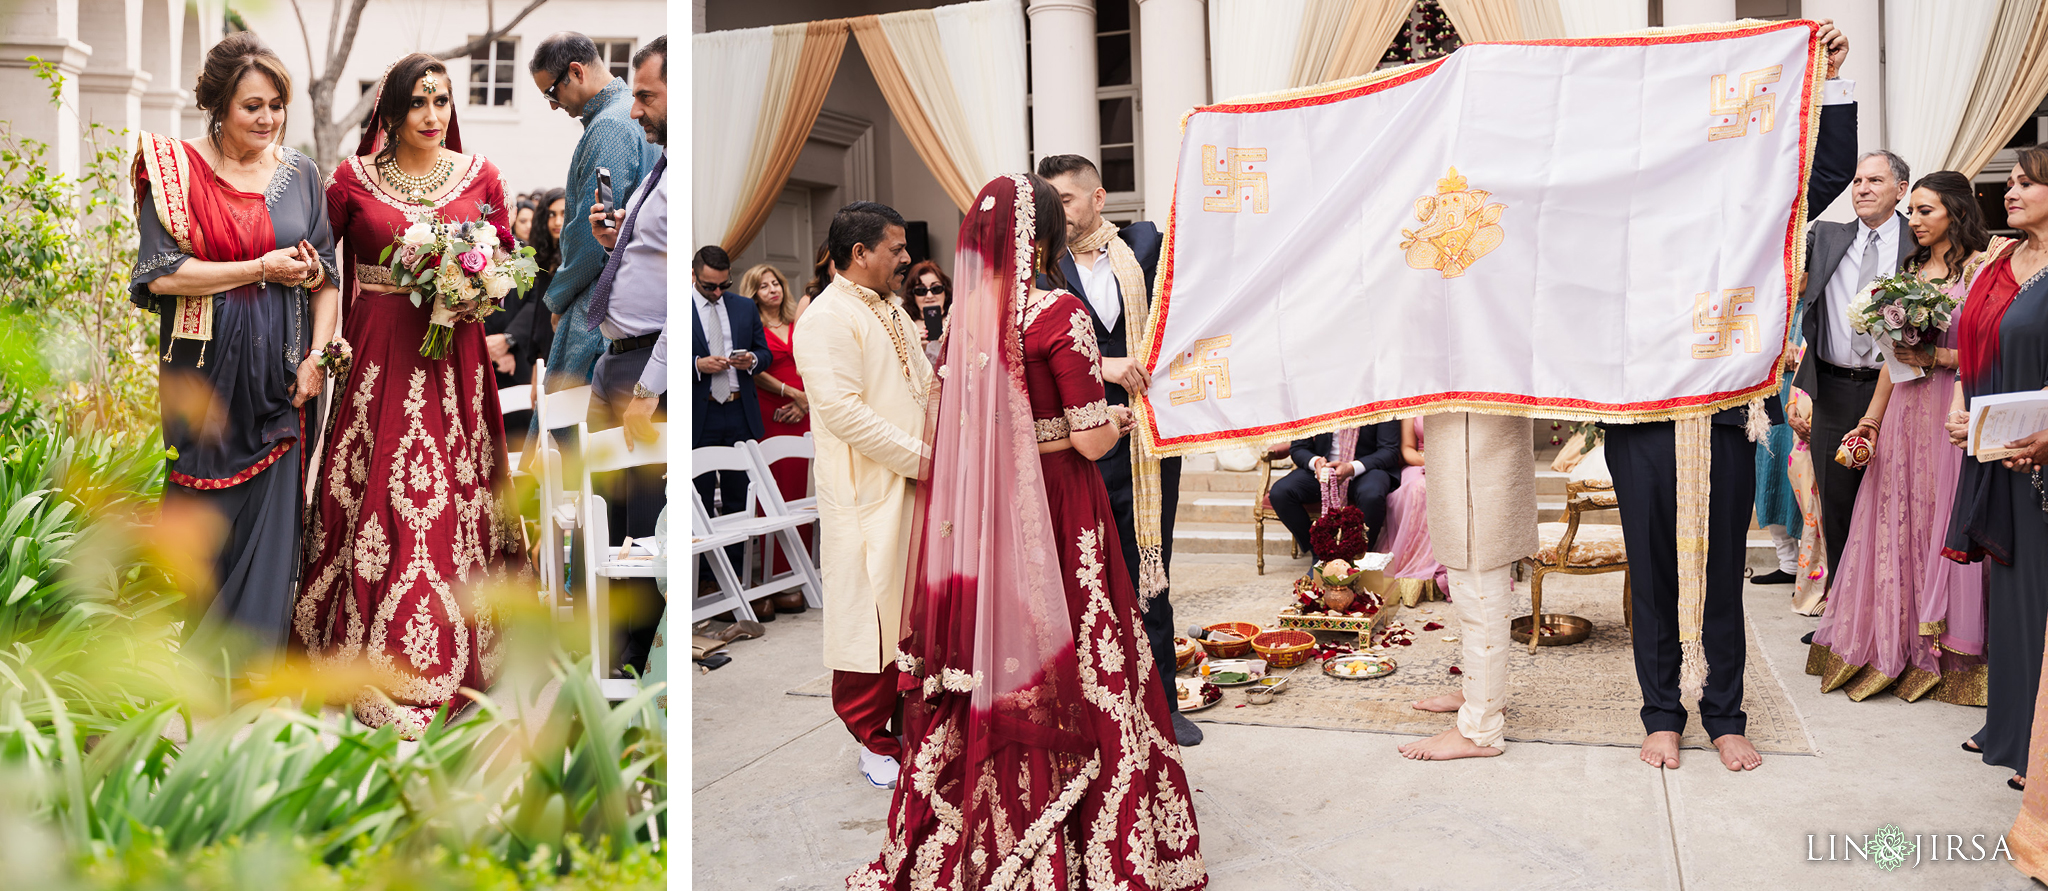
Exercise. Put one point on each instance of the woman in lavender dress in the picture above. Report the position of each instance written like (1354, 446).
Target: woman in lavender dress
(1898, 615)
(1406, 537)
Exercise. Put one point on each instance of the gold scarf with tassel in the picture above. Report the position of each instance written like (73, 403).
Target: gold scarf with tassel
(1145, 494)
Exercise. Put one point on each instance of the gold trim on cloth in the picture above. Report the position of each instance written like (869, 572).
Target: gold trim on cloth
(161, 160)
(1692, 440)
(1051, 429)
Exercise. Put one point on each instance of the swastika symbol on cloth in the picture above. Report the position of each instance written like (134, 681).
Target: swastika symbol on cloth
(1226, 187)
(1750, 100)
(1196, 367)
(1717, 319)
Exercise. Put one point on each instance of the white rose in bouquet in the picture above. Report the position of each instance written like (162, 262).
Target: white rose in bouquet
(498, 283)
(417, 234)
(454, 284)
(483, 233)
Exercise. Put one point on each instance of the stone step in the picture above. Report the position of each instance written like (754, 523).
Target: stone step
(1215, 507)
(1228, 538)
(1206, 481)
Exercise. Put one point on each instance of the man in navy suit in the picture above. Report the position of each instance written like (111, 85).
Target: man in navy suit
(1645, 470)
(1091, 275)
(1372, 470)
(729, 347)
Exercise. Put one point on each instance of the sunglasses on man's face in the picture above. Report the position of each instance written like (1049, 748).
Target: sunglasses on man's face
(714, 287)
(921, 290)
(552, 91)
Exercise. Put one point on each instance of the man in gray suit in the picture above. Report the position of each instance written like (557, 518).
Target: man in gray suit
(1841, 366)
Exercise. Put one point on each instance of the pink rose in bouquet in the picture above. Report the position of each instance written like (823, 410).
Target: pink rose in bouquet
(1895, 315)
(474, 260)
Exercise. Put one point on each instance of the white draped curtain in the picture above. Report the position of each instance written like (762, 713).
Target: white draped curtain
(1263, 46)
(731, 83)
(955, 78)
(1594, 18)
(1933, 52)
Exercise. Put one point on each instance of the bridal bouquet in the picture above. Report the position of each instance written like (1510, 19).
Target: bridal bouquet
(1902, 309)
(452, 265)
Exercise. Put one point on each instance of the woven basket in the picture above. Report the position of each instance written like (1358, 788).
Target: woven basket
(1245, 631)
(1285, 648)
(1185, 654)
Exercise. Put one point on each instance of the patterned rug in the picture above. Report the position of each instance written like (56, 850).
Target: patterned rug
(1584, 694)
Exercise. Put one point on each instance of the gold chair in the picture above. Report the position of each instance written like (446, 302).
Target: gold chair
(1262, 510)
(1575, 549)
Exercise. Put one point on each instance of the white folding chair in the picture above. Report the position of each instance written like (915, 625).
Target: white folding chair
(778, 448)
(706, 543)
(770, 496)
(514, 399)
(558, 508)
(783, 526)
(603, 452)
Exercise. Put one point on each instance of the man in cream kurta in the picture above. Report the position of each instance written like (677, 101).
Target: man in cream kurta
(1482, 519)
(868, 387)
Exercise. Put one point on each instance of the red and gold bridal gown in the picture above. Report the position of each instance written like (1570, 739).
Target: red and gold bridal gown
(410, 531)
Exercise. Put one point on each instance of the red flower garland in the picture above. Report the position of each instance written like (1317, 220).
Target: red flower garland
(1338, 534)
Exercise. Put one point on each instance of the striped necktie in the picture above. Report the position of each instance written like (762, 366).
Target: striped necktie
(601, 292)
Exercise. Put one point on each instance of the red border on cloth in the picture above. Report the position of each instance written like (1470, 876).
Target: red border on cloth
(248, 473)
(1508, 403)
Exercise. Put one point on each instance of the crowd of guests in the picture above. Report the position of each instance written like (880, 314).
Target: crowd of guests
(366, 533)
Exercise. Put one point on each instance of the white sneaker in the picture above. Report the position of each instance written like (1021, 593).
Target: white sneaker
(881, 770)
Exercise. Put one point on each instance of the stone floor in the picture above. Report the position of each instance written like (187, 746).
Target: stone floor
(778, 803)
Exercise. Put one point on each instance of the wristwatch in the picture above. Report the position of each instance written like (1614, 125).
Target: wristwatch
(640, 391)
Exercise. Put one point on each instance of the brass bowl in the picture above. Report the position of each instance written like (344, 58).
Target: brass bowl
(1569, 630)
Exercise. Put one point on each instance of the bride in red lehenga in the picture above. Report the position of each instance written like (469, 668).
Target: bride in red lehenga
(409, 521)
(1039, 753)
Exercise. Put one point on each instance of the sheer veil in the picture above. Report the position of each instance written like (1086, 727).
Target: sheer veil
(987, 610)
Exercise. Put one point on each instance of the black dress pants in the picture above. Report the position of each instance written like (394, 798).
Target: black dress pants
(1645, 473)
(1297, 493)
(1157, 616)
(1837, 408)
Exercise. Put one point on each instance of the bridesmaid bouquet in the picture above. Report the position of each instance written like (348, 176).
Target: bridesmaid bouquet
(1902, 309)
(452, 265)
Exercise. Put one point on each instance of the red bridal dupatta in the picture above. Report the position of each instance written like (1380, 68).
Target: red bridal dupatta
(208, 218)
(999, 751)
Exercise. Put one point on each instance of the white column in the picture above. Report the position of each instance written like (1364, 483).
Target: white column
(1064, 120)
(163, 44)
(46, 30)
(1173, 56)
(1698, 12)
(110, 89)
(1862, 22)
(203, 22)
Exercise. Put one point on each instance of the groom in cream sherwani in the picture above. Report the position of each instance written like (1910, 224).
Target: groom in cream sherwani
(868, 386)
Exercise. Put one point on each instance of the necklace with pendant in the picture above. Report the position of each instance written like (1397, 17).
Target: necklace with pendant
(417, 188)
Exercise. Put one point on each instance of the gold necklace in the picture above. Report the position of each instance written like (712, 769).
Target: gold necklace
(416, 188)
(896, 337)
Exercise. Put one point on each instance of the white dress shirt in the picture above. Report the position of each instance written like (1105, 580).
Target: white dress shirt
(1844, 347)
(1100, 287)
(711, 314)
(639, 301)
(1357, 467)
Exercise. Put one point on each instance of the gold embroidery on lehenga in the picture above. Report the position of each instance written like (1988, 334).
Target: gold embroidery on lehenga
(422, 641)
(314, 616)
(373, 551)
(1082, 330)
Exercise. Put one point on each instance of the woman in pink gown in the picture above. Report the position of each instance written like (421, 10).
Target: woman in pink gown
(1039, 749)
(1898, 615)
(410, 520)
(1407, 533)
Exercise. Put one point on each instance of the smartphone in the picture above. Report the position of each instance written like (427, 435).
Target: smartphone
(604, 195)
(934, 322)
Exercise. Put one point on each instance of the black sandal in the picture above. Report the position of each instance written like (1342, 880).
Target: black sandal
(2017, 784)
(1970, 747)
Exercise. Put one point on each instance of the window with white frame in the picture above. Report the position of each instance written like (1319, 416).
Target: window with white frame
(491, 76)
(617, 56)
(1116, 103)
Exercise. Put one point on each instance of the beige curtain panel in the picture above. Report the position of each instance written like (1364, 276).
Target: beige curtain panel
(1488, 21)
(1345, 38)
(2009, 86)
(800, 73)
(891, 76)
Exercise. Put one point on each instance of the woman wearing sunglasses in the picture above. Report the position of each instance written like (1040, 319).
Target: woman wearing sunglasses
(928, 289)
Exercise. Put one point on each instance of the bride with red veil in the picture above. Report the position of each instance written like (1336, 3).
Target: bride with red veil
(1039, 752)
(409, 525)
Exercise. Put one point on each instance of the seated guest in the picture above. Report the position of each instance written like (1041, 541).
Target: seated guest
(1371, 470)
(1406, 536)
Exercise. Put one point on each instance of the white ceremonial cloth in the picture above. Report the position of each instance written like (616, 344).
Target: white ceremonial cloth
(1615, 243)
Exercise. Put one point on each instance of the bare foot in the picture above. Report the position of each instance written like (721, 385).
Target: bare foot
(1736, 752)
(1449, 702)
(1446, 746)
(1660, 749)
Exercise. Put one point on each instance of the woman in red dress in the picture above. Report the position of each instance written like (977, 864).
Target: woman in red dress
(785, 408)
(410, 523)
(1038, 746)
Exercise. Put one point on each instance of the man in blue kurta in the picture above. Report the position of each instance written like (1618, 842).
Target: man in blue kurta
(572, 75)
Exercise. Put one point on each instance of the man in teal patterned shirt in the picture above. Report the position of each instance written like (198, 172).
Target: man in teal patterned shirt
(572, 75)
